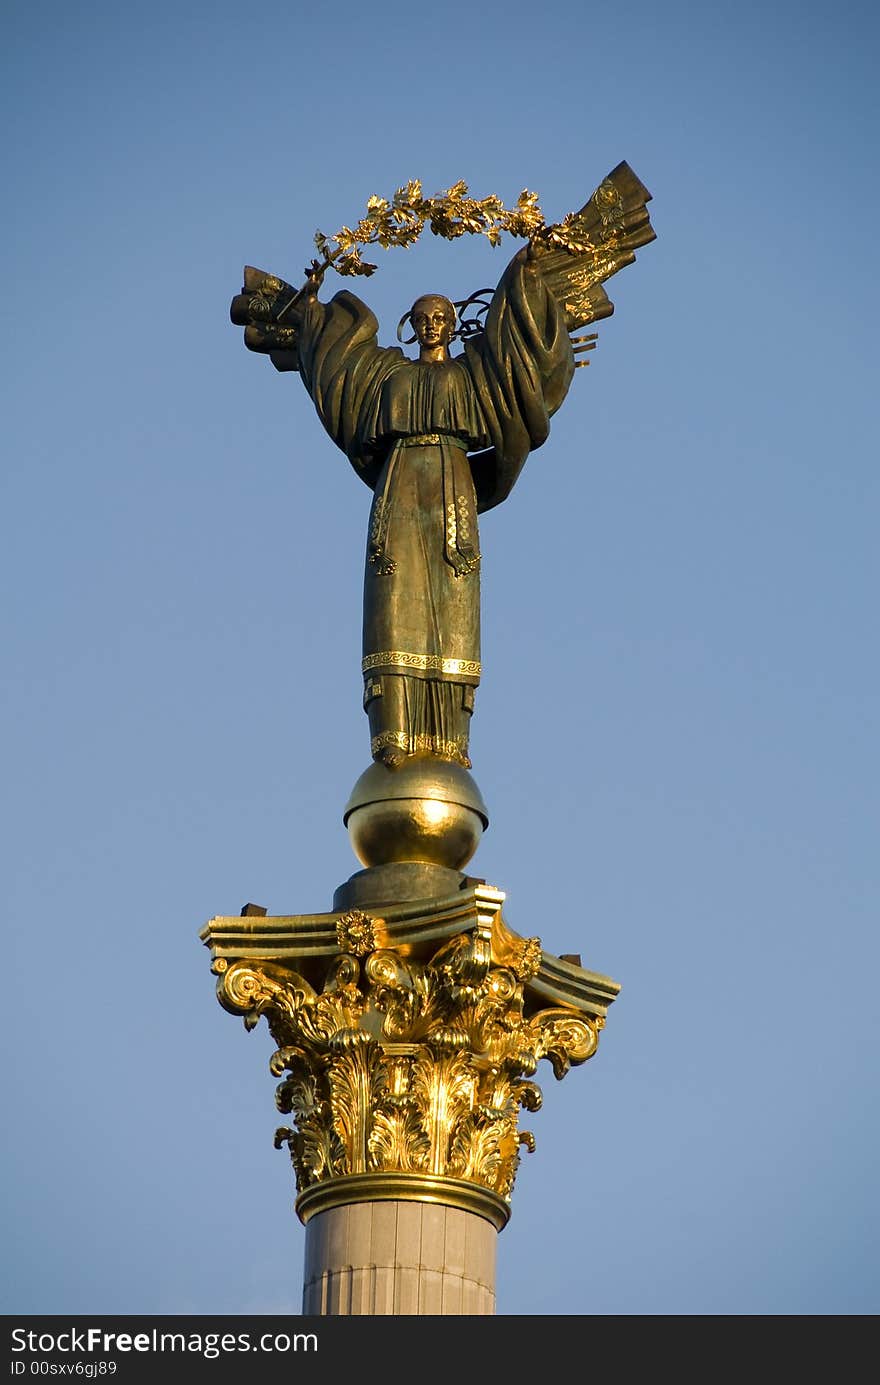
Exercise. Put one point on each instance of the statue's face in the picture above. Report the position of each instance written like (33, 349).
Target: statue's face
(433, 320)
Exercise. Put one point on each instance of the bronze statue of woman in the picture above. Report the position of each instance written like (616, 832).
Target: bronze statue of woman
(441, 439)
(438, 440)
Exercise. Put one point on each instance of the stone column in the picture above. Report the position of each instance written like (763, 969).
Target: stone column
(401, 1258)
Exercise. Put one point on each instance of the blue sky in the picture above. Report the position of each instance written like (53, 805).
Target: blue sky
(676, 734)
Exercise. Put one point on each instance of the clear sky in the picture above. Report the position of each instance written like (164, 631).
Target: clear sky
(677, 730)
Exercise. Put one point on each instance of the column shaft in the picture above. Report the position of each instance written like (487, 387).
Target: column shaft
(399, 1258)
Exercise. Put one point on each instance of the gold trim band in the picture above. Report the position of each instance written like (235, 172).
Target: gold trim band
(413, 745)
(432, 440)
(403, 1187)
(428, 663)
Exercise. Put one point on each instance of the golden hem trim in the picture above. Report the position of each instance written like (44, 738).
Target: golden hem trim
(427, 663)
(416, 745)
(403, 1187)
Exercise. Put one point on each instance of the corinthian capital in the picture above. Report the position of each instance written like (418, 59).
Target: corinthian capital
(407, 1044)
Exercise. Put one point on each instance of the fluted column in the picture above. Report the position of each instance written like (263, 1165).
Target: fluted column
(399, 1258)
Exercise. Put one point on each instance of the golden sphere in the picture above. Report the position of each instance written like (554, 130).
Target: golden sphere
(423, 810)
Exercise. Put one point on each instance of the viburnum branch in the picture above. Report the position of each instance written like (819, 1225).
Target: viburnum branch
(449, 214)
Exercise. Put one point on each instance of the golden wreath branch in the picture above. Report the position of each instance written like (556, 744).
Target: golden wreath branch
(449, 214)
(400, 222)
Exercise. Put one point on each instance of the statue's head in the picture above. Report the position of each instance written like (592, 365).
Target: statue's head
(433, 320)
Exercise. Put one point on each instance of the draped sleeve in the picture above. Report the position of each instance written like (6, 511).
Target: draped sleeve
(521, 365)
(343, 368)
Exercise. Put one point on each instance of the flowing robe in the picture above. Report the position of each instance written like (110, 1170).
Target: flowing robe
(408, 428)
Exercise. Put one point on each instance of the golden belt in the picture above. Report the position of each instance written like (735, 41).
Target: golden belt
(431, 440)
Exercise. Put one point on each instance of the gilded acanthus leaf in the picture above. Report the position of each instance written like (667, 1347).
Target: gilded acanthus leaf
(444, 1086)
(398, 1139)
(409, 999)
(314, 1146)
(354, 1076)
(479, 1146)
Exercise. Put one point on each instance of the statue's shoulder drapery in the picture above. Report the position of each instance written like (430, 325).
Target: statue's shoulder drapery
(517, 370)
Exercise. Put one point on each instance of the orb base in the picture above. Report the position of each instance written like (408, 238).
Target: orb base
(426, 810)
